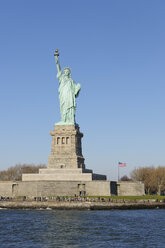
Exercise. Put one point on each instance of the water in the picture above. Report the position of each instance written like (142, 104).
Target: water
(75, 229)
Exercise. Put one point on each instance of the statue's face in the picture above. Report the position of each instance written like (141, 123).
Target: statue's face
(66, 72)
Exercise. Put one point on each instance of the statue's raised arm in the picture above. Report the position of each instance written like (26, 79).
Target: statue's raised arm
(56, 54)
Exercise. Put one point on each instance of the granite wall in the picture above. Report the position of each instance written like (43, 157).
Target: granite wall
(54, 188)
(130, 188)
(70, 188)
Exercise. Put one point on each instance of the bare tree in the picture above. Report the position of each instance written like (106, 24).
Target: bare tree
(153, 178)
(14, 173)
(160, 179)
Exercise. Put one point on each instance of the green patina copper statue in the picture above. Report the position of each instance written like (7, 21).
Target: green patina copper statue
(68, 91)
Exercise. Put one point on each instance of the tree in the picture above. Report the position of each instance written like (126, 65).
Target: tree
(14, 173)
(125, 178)
(153, 178)
(160, 179)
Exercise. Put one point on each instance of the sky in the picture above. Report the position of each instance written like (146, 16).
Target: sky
(115, 50)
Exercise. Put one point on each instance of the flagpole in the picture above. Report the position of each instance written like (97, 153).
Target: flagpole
(118, 172)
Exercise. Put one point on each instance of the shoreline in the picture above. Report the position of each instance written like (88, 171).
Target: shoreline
(62, 205)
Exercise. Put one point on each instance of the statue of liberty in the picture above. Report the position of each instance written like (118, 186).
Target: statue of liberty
(68, 91)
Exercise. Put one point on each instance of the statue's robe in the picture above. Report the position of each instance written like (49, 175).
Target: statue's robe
(68, 91)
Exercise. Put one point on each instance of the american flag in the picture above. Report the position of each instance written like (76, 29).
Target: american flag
(120, 164)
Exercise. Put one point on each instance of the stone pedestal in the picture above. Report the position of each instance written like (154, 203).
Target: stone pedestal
(66, 149)
(63, 175)
(65, 162)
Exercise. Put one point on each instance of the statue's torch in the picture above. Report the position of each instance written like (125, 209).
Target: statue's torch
(56, 54)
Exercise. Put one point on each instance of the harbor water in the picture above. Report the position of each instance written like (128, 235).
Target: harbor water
(75, 229)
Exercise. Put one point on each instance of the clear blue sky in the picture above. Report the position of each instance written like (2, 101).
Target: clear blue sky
(116, 50)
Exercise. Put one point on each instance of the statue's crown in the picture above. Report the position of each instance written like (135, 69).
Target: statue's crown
(67, 68)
